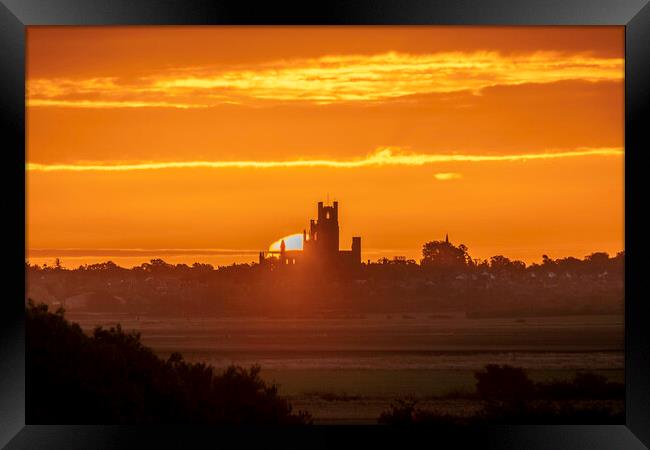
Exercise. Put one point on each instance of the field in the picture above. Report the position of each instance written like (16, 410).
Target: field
(350, 368)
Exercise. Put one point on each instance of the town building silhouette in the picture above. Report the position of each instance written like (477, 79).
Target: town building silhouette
(320, 246)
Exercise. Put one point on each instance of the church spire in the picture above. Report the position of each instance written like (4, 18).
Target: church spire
(447, 238)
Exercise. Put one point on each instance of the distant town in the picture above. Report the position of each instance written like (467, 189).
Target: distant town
(321, 278)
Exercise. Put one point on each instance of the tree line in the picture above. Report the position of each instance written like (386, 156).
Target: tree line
(446, 278)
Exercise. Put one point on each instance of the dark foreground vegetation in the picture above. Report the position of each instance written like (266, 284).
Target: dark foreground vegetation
(446, 279)
(510, 397)
(111, 378)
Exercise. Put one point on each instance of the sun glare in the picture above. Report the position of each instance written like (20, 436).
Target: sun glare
(292, 242)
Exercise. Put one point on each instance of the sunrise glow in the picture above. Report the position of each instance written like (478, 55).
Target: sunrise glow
(179, 140)
(291, 242)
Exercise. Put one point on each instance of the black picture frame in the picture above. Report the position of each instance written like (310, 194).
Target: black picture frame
(15, 15)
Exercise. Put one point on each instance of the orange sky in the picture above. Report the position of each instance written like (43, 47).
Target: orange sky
(167, 141)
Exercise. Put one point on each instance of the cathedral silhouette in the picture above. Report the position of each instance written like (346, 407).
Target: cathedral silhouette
(320, 247)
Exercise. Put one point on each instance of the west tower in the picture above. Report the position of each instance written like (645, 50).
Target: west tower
(324, 233)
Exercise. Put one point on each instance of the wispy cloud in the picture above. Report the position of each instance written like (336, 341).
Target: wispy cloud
(329, 79)
(382, 157)
(111, 104)
(446, 176)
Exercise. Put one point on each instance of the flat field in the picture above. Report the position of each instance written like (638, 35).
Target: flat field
(348, 369)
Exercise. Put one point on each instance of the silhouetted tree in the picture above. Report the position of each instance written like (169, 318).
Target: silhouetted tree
(202, 267)
(444, 255)
(503, 382)
(598, 262)
(504, 266)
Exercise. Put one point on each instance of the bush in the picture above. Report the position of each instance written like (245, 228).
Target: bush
(401, 413)
(551, 412)
(584, 385)
(503, 383)
(111, 378)
(404, 412)
(510, 397)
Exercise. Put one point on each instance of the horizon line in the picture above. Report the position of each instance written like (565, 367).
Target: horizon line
(135, 253)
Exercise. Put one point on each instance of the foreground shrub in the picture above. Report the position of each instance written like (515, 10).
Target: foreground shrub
(111, 378)
(404, 412)
(510, 397)
(584, 385)
(503, 383)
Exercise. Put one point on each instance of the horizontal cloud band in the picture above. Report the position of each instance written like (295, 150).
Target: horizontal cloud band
(328, 79)
(382, 157)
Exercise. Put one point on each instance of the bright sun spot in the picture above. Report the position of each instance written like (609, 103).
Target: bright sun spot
(292, 242)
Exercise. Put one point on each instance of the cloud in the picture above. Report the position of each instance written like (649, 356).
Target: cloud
(110, 104)
(329, 79)
(390, 156)
(446, 176)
